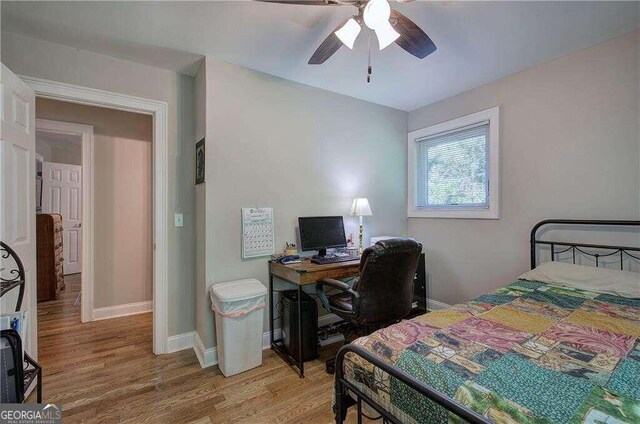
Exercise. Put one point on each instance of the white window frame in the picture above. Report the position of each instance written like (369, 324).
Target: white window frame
(493, 211)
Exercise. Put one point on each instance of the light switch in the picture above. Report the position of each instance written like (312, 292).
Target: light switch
(178, 220)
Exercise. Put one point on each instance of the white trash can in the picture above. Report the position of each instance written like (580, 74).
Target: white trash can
(239, 307)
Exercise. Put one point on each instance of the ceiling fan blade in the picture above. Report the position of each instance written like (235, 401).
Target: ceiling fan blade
(304, 2)
(412, 38)
(329, 46)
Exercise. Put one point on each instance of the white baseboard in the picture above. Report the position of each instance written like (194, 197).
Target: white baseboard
(206, 357)
(181, 342)
(266, 338)
(122, 310)
(434, 305)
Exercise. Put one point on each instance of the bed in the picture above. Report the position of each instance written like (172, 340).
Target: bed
(559, 345)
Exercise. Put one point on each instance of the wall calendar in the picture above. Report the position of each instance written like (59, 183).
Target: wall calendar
(257, 232)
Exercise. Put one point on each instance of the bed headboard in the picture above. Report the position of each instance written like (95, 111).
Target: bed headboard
(595, 251)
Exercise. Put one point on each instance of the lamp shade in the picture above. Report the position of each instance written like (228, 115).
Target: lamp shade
(360, 207)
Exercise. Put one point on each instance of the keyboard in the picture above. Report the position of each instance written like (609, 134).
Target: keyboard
(323, 260)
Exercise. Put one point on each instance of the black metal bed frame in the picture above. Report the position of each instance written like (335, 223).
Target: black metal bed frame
(573, 247)
(348, 394)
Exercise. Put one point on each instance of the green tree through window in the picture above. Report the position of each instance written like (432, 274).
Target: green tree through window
(453, 168)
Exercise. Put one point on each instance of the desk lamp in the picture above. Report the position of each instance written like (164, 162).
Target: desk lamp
(360, 207)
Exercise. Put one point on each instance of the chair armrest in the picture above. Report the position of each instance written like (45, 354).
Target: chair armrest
(339, 285)
(336, 284)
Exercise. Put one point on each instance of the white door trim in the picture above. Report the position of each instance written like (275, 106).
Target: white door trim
(159, 111)
(88, 205)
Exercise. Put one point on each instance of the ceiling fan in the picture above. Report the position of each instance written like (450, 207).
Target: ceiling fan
(388, 24)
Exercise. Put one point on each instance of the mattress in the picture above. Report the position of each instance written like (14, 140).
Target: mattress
(530, 352)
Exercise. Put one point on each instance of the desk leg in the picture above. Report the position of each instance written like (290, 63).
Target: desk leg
(271, 335)
(300, 358)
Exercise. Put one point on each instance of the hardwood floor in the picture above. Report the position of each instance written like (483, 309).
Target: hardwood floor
(105, 371)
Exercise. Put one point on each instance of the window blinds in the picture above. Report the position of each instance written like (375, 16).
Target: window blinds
(453, 168)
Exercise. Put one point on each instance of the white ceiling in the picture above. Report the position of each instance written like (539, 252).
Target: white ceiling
(477, 42)
(54, 139)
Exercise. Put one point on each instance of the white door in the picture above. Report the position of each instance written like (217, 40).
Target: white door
(18, 190)
(62, 193)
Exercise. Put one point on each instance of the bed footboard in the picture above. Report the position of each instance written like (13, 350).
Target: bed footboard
(344, 388)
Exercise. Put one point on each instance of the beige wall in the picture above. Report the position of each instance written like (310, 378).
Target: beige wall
(298, 149)
(123, 238)
(570, 148)
(38, 58)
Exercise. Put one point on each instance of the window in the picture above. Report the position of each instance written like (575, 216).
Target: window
(453, 168)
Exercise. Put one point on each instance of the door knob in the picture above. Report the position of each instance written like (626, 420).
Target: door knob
(78, 225)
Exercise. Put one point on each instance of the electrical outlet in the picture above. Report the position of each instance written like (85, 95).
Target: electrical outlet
(178, 220)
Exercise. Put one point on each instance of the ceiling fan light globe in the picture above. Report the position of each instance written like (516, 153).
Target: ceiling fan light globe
(376, 13)
(349, 32)
(386, 35)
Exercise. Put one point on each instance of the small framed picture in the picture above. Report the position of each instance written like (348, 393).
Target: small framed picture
(200, 162)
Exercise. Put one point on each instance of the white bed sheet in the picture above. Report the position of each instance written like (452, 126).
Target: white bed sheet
(602, 280)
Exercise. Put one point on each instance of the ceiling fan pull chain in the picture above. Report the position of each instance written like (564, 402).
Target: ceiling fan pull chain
(369, 57)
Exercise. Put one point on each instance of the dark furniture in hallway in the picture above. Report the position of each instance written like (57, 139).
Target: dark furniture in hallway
(49, 232)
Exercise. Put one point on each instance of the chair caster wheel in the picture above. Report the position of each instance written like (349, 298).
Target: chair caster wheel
(330, 366)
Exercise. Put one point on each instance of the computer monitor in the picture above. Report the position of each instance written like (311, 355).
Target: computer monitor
(321, 232)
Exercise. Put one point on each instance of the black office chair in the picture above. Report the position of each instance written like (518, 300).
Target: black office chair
(383, 293)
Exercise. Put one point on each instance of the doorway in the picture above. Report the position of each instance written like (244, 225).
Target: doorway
(104, 190)
(63, 185)
(158, 110)
(60, 175)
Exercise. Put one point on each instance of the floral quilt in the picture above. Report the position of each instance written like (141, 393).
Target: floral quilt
(527, 353)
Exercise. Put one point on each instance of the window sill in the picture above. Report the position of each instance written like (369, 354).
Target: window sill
(454, 214)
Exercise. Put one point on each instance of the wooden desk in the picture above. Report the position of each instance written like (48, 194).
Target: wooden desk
(308, 273)
(300, 275)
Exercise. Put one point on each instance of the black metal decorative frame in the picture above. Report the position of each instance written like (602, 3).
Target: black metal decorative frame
(31, 370)
(15, 272)
(348, 394)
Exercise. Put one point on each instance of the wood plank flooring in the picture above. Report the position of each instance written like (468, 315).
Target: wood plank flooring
(105, 372)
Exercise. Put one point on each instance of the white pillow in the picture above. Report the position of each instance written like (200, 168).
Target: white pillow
(602, 280)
